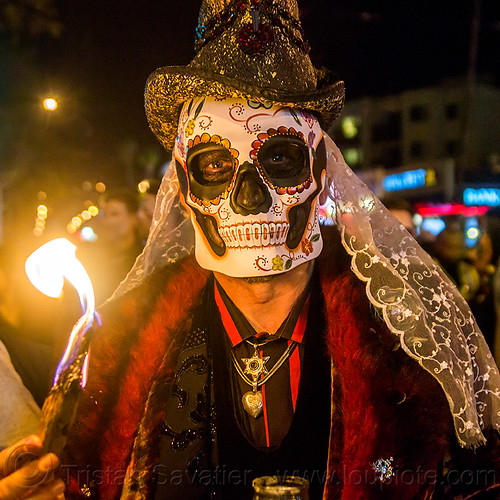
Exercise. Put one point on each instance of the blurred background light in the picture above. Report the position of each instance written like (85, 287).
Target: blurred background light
(42, 211)
(353, 156)
(410, 179)
(482, 196)
(49, 104)
(472, 231)
(433, 226)
(350, 127)
(143, 186)
(93, 210)
(88, 234)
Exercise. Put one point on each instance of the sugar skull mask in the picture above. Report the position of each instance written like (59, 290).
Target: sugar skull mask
(250, 176)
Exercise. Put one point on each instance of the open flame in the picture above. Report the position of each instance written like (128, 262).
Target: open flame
(47, 267)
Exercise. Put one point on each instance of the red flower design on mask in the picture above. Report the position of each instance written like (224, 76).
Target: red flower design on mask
(307, 246)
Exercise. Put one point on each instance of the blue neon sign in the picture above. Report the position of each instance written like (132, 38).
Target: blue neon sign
(482, 196)
(410, 179)
(433, 225)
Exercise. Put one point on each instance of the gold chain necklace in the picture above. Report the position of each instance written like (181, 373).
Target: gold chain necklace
(256, 367)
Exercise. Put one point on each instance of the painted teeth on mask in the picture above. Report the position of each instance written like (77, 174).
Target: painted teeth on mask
(255, 235)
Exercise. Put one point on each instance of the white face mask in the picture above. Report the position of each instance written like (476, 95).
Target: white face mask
(251, 177)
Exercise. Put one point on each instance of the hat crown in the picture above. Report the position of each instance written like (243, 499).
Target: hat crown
(259, 42)
(246, 49)
(210, 8)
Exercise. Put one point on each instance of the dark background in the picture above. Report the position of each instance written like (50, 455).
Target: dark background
(108, 49)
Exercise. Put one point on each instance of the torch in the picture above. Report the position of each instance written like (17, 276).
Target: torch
(47, 267)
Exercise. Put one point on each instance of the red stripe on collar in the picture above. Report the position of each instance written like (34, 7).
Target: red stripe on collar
(300, 326)
(227, 321)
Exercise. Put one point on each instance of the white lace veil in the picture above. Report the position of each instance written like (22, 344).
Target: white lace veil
(419, 303)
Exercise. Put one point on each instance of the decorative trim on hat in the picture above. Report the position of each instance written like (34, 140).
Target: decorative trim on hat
(282, 18)
(169, 87)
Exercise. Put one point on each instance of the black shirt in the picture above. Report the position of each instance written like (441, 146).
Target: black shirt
(281, 390)
(207, 450)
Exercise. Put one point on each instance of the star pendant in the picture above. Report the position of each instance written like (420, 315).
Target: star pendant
(256, 366)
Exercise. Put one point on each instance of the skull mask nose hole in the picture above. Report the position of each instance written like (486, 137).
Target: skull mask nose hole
(250, 195)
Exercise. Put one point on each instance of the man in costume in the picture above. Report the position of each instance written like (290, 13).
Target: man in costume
(340, 354)
(265, 354)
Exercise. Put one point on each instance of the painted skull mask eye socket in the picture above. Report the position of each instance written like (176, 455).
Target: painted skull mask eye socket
(210, 168)
(284, 161)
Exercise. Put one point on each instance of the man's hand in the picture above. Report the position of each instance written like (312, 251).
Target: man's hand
(24, 474)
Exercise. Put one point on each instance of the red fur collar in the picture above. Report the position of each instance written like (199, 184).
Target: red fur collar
(126, 354)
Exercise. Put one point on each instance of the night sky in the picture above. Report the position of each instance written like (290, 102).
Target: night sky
(109, 48)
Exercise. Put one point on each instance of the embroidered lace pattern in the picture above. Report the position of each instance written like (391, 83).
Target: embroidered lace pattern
(418, 301)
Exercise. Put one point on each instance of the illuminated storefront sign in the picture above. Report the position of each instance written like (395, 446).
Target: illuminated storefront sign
(411, 179)
(482, 196)
(442, 209)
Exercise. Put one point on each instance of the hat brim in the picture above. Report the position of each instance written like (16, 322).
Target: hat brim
(169, 87)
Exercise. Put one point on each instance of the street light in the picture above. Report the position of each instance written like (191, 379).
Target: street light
(49, 104)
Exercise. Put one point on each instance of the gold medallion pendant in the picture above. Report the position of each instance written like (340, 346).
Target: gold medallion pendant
(253, 403)
(255, 366)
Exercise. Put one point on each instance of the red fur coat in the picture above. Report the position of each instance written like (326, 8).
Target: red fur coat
(383, 404)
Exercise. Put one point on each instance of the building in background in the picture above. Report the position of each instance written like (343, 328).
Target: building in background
(435, 137)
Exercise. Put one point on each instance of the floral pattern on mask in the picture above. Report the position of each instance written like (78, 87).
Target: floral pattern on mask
(203, 121)
(252, 122)
(217, 139)
(308, 118)
(285, 261)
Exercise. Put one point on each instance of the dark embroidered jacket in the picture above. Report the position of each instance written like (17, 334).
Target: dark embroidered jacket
(383, 404)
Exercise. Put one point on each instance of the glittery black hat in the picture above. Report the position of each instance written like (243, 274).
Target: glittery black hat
(250, 49)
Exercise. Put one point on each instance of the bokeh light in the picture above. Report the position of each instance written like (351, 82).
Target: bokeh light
(49, 104)
(350, 127)
(473, 233)
(88, 234)
(143, 186)
(93, 210)
(76, 221)
(41, 217)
